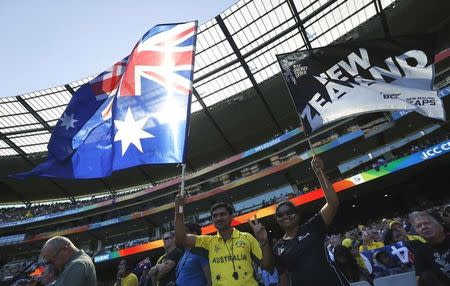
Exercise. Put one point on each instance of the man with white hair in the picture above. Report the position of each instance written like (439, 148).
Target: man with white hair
(75, 265)
(432, 259)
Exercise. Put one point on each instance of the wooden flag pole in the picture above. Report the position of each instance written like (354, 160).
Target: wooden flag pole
(182, 191)
(306, 135)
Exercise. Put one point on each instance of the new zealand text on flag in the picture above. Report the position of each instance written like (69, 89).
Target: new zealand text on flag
(136, 112)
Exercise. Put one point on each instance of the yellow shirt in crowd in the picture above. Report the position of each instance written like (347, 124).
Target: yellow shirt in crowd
(129, 280)
(242, 248)
(372, 245)
(416, 237)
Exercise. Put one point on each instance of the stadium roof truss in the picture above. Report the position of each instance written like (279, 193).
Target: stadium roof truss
(236, 51)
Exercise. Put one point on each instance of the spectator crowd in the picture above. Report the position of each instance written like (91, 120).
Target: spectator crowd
(418, 242)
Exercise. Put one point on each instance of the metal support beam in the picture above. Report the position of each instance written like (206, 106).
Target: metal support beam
(149, 178)
(7, 189)
(387, 33)
(69, 89)
(16, 148)
(265, 44)
(299, 24)
(34, 113)
(19, 132)
(62, 190)
(108, 187)
(208, 114)
(246, 68)
(25, 157)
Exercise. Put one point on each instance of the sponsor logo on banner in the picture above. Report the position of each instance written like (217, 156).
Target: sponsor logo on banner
(436, 151)
(101, 258)
(357, 179)
(338, 81)
(299, 70)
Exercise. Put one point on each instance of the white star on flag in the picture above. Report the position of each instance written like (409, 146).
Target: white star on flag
(131, 132)
(68, 121)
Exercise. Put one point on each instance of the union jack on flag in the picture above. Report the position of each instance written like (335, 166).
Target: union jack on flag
(107, 82)
(136, 112)
(161, 58)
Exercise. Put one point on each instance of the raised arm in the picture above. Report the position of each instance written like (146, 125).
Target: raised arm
(328, 211)
(261, 236)
(181, 238)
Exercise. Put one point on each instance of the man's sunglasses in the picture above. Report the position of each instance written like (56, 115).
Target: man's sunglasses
(289, 212)
(167, 238)
(52, 260)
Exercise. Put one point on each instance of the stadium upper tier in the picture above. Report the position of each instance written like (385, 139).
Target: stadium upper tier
(239, 98)
(271, 163)
(411, 158)
(219, 172)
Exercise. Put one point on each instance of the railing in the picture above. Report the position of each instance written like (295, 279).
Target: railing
(416, 158)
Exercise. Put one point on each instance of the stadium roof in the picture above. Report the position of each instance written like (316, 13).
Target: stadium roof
(239, 99)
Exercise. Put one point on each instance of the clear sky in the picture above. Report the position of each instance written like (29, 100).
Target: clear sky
(46, 43)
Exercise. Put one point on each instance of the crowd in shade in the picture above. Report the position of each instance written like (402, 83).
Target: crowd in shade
(13, 268)
(366, 252)
(417, 243)
(274, 199)
(360, 254)
(8, 214)
(18, 213)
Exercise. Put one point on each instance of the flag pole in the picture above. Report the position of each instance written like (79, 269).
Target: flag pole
(306, 135)
(182, 191)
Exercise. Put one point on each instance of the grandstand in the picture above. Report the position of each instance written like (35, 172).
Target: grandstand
(245, 143)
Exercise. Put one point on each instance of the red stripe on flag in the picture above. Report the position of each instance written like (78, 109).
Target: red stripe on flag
(441, 56)
(178, 36)
(105, 86)
(162, 79)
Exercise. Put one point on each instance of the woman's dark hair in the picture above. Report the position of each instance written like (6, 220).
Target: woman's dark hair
(388, 236)
(350, 268)
(289, 204)
(228, 207)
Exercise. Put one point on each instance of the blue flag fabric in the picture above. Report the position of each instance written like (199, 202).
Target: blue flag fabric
(135, 113)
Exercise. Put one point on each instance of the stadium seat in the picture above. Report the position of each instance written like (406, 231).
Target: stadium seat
(403, 279)
(360, 283)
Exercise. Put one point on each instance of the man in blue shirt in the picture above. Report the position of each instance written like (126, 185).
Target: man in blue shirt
(193, 267)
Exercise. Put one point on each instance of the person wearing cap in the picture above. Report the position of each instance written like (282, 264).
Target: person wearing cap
(345, 261)
(400, 234)
(353, 247)
(347, 242)
(396, 233)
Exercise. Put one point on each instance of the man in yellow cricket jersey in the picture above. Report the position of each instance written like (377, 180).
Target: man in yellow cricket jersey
(231, 252)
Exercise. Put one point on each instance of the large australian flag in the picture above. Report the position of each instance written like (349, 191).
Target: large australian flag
(135, 113)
